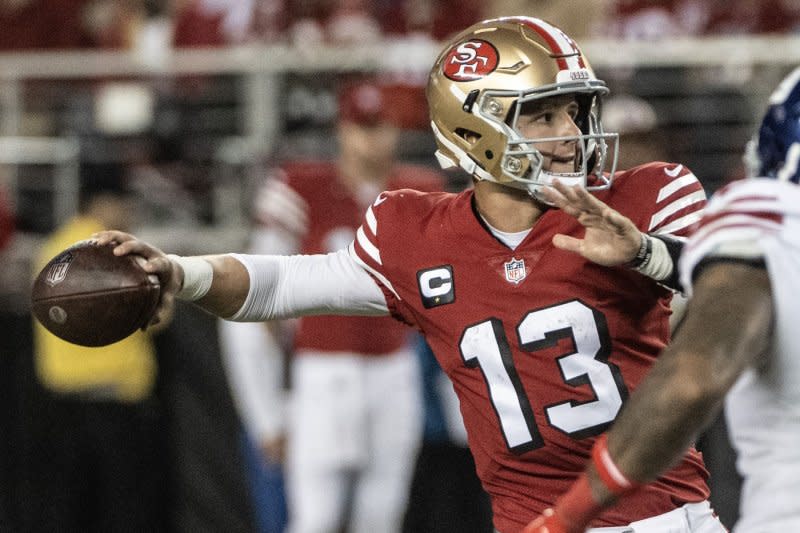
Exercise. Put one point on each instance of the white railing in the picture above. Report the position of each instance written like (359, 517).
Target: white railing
(392, 55)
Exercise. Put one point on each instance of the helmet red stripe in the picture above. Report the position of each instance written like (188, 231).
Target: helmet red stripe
(547, 33)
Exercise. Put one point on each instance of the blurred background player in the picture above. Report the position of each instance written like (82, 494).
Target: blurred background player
(738, 339)
(94, 458)
(354, 418)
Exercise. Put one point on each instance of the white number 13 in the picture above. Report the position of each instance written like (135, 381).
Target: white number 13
(485, 345)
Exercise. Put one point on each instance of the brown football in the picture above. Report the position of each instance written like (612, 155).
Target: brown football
(89, 296)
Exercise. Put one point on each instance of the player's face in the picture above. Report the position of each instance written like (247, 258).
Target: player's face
(374, 145)
(552, 117)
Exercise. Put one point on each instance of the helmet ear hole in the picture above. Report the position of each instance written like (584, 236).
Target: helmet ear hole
(489, 154)
(468, 135)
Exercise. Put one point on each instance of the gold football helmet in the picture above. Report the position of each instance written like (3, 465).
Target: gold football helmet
(476, 90)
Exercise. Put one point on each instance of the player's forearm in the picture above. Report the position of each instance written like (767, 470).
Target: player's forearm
(229, 284)
(217, 283)
(727, 328)
(664, 416)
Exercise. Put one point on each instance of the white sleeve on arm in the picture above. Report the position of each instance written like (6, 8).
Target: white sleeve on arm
(300, 285)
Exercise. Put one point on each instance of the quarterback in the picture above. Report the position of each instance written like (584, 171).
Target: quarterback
(543, 345)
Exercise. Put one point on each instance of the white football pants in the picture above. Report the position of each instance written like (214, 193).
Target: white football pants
(354, 429)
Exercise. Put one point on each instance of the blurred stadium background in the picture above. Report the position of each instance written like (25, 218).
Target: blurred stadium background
(196, 98)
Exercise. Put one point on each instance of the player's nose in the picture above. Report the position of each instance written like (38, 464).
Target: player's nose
(566, 125)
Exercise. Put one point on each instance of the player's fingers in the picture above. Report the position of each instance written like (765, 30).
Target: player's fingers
(558, 200)
(109, 236)
(565, 242)
(553, 195)
(164, 309)
(579, 196)
(137, 247)
(159, 264)
(619, 221)
(572, 198)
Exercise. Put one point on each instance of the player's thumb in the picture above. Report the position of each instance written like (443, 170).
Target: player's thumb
(565, 242)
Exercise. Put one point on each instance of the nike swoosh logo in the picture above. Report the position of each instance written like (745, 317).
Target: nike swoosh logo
(379, 200)
(674, 172)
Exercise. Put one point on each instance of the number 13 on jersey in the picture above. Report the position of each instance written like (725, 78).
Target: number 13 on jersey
(486, 346)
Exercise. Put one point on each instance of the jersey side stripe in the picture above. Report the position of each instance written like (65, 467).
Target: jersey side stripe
(363, 264)
(675, 185)
(372, 222)
(675, 206)
(370, 249)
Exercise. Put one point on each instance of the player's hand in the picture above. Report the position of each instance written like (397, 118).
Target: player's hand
(611, 238)
(548, 522)
(156, 262)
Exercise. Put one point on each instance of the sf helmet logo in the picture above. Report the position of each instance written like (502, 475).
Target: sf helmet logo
(470, 61)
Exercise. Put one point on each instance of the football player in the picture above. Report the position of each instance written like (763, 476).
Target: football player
(543, 346)
(737, 339)
(341, 443)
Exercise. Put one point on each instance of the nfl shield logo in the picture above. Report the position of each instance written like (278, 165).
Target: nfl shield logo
(515, 270)
(57, 270)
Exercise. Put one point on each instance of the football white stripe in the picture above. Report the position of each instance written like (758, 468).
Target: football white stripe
(675, 185)
(380, 277)
(369, 248)
(674, 207)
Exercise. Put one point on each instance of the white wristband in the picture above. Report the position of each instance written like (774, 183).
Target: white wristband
(658, 265)
(197, 277)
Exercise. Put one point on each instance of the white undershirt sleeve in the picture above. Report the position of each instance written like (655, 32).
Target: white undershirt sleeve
(254, 367)
(300, 285)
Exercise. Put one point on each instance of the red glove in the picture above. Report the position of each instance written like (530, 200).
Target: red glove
(548, 522)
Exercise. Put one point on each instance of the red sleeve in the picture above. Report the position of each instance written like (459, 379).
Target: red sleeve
(662, 198)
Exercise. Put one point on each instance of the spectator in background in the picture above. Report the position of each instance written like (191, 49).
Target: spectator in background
(578, 18)
(230, 22)
(643, 19)
(94, 460)
(69, 24)
(42, 25)
(351, 444)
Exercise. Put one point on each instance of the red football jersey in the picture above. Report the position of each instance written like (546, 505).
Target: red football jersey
(333, 216)
(542, 346)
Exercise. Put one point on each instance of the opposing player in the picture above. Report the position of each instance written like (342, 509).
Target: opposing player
(542, 345)
(738, 338)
